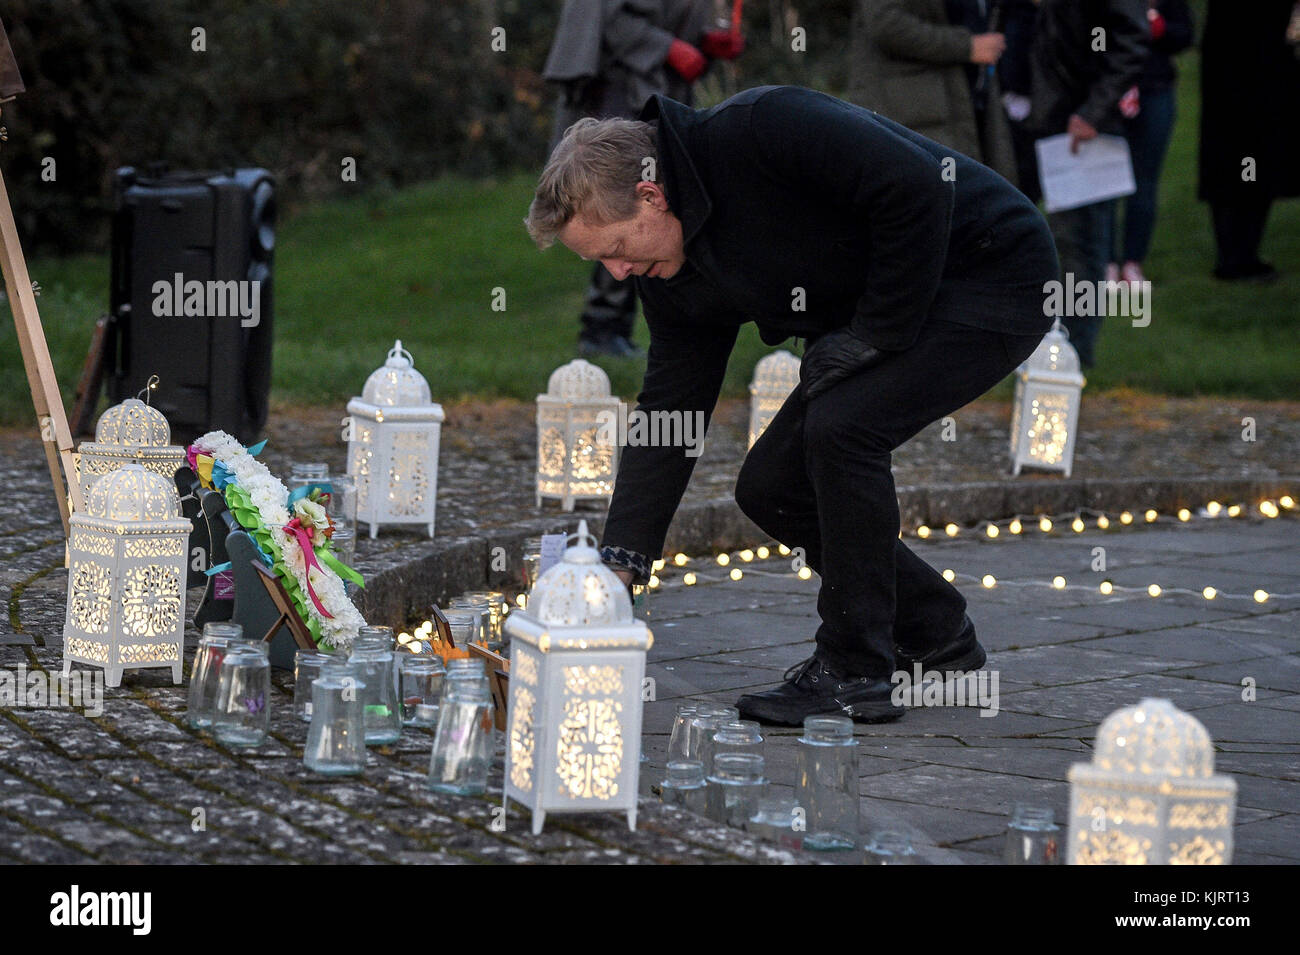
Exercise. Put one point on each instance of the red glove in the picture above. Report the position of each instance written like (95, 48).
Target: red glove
(1157, 21)
(723, 44)
(689, 62)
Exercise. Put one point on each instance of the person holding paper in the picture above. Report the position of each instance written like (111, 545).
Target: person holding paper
(916, 276)
(1086, 55)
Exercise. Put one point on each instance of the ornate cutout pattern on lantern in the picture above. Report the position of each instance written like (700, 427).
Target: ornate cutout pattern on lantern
(577, 436)
(394, 431)
(132, 432)
(126, 578)
(775, 377)
(577, 663)
(1045, 411)
(1150, 795)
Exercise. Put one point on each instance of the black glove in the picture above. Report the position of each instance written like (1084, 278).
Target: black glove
(834, 357)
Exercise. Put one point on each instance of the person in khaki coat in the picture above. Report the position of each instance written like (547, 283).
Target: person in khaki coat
(910, 64)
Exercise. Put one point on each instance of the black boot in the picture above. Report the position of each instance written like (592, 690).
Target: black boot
(811, 689)
(962, 652)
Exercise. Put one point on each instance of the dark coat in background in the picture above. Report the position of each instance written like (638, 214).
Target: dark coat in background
(1070, 76)
(1250, 101)
(608, 55)
(908, 62)
(780, 189)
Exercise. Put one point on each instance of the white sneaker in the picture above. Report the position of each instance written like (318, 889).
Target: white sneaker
(1112, 273)
(1132, 273)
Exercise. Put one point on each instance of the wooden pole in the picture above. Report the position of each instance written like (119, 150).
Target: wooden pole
(55, 434)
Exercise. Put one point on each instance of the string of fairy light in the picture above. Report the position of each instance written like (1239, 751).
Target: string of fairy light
(1021, 525)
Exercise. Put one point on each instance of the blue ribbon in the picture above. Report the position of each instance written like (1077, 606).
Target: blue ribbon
(299, 493)
(218, 569)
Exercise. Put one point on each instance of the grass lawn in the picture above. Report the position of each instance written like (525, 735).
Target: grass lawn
(421, 265)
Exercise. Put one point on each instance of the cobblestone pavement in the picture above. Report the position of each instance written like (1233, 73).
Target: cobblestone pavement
(124, 786)
(130, 784)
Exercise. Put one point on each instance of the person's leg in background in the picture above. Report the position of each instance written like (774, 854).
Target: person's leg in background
(608, 315)
(1148, 135)
(1238, 230)
(1083, 243)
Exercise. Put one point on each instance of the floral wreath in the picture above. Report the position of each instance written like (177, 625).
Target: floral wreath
(292, 532)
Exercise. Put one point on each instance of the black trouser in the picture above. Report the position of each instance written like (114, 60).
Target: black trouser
(819, 478)
(1238, 230)
(610, 308)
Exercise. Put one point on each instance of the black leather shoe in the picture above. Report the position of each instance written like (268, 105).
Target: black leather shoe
(963, 652)
(810, 689)
(616, 346)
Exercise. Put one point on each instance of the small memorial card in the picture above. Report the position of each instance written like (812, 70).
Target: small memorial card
(552, 551)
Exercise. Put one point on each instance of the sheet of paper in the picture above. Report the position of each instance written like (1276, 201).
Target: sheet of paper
(552, 551)
(1101, 169)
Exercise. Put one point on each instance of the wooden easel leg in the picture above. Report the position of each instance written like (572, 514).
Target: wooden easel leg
(55, 434)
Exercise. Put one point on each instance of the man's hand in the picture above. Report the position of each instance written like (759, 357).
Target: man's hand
(834, 357)
(689, 62)
(986, 48)
(1080, 130)
(722, 44)
(624, 575)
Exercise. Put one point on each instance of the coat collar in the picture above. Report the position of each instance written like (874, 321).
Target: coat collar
(683, 187)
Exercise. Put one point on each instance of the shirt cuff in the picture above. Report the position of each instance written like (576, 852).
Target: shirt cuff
(620, 558)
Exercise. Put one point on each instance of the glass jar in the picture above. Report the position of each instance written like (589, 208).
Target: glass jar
(708, 718)
(381, 712)
(462, 747)
(243, 705)
(306, 667)
(306, 474)
(201, 700)
(376, 637)
(678, 745)
(422, 679)
(532, 561)
(342, 510)
(890, 848)
(1033, 838)
(827, 782)
(738, 736)
(336, 740)
(685, 786)
(479, 606)
(496, 604)
(779, 821)
(734, 788)
(466, 625)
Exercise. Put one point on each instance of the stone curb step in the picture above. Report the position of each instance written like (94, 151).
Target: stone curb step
(413, 578)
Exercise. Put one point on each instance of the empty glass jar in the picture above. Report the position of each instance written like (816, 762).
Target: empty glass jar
(708, 717)
(462, 748)
(306, 667)
(734, 788)
(479, 606)
(1033, 838)
(206, 671)
(738, 736)
(466, 624)
(678, 740)
(890, 848)
(336, 740)
(496, 604)
(685, 786)
(827, 782)
(778, 820)
(373, 657)
(422, 678)
(242, 713)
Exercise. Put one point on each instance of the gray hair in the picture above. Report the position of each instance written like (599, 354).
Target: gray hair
(594, 172)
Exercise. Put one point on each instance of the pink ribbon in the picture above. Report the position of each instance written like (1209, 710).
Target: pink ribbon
(303, 535)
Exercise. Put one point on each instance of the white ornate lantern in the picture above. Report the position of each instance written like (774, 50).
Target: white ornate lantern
(126, 576)
(775, 376)
(1045, 413)
(393, 439)
(1150, 795)
(577, 435)
(132, 432)
(577, 660)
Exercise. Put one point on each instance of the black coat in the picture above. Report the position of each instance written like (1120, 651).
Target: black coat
(784, 191)
(1070, 76)
(1250, 101)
